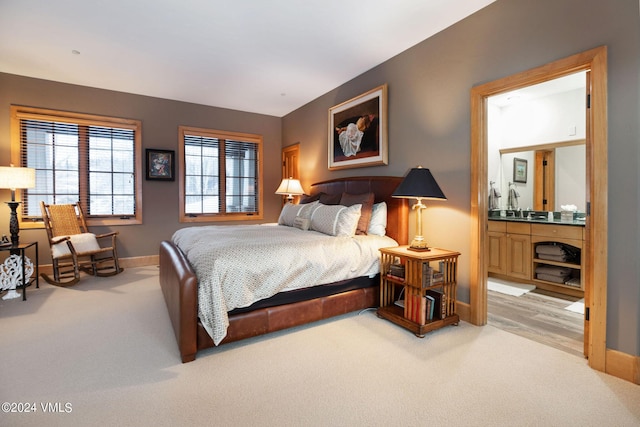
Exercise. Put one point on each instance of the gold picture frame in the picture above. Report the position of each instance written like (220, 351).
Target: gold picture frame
(358, 131)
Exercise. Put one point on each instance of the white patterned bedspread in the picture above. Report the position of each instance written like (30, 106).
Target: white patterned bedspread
(239, 265)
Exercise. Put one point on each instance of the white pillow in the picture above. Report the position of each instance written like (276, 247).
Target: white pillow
(378, 224)
(290, 212)
(82, 243)
(336, 220)
(301, 223)
(308, 208)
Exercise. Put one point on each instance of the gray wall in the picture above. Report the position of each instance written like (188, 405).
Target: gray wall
(429, 122)
(160, 120)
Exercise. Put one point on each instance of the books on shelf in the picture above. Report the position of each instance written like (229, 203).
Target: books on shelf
(396, 270)
(424, 309)
(440, 303)
(431, 277)
(427, 305)
(431, 304)
(398, 278)
(416, 308)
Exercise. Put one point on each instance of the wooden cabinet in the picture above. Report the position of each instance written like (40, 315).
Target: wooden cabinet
(570, 239)
(512, 254)
(497, 240)
(430, 280)
(510, 249)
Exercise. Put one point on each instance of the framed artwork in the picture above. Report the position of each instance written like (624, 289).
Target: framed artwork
(519, 170)
(160, 164)
(358, 131)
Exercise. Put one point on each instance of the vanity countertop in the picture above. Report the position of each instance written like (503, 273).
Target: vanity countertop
(575, 222)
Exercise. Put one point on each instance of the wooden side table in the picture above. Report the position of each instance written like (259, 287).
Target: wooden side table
(20, 250)
(430, 280)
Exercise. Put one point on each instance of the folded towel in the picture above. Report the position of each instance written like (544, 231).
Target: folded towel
(550, 250)
(554, 271)
(550, 278)
(574, 281)
(558, 258)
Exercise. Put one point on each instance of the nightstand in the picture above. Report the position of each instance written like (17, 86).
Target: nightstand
(422, 298)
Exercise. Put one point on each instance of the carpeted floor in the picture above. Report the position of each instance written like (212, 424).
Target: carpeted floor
(104, 353)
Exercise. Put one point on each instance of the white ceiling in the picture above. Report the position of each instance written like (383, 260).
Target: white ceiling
(566, 83)
(263, 56)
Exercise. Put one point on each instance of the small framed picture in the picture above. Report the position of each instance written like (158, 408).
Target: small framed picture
(519, 170)
(160, 164)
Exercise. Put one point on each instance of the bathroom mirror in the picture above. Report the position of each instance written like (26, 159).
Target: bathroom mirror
(555, 176)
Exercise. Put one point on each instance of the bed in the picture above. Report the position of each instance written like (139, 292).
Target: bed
(179, 282)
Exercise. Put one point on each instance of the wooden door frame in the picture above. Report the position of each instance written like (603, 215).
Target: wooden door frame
(595, 249)
(544, 180)
(291, 152)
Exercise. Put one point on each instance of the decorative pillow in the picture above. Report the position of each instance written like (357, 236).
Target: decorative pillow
(307, 209)
(330, 199)
(335, 220)
(378, 224)
(301, 223)
(82, 243)
(366, 200)
(308, 199)
(288, 214)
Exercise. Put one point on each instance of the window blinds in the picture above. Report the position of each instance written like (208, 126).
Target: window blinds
(79, 162)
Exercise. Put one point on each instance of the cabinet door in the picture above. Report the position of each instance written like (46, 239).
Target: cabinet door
(497, 252)
(519, 256)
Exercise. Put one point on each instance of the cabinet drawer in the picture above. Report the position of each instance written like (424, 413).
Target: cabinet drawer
(553, 230)
(518, 228)
(498, 226)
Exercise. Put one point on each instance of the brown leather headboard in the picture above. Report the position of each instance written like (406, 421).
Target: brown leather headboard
(382, 187)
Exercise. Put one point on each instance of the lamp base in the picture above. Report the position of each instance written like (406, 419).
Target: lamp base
(11, 294)
(419, 245)
(14, 226)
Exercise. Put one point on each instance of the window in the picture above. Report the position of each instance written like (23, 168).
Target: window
(78, 157)
(221, 175)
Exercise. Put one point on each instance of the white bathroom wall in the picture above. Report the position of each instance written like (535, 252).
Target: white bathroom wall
(542, 120)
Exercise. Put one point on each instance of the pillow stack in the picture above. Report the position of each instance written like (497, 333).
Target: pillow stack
(335, 215)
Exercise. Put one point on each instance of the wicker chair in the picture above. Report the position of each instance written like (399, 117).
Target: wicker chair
(74, 248)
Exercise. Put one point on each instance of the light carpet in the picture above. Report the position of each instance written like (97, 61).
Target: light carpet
(508, 288)
(106, 347)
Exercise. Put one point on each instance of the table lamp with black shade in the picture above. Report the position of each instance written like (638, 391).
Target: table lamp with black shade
(15, 178)
(419, 184)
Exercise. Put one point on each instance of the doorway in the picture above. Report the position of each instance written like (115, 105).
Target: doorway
(290, 166)
(544, 186)
(595, 249)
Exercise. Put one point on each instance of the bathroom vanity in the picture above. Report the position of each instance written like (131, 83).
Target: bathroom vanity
(538, 251)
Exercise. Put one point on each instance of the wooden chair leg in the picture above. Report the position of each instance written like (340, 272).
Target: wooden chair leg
(54, 282)
(58, 274)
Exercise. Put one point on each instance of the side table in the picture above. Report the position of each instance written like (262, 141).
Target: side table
(420, 282)
(20, 250)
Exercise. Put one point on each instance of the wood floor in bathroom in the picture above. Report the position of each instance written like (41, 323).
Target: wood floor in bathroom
(540, 316)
